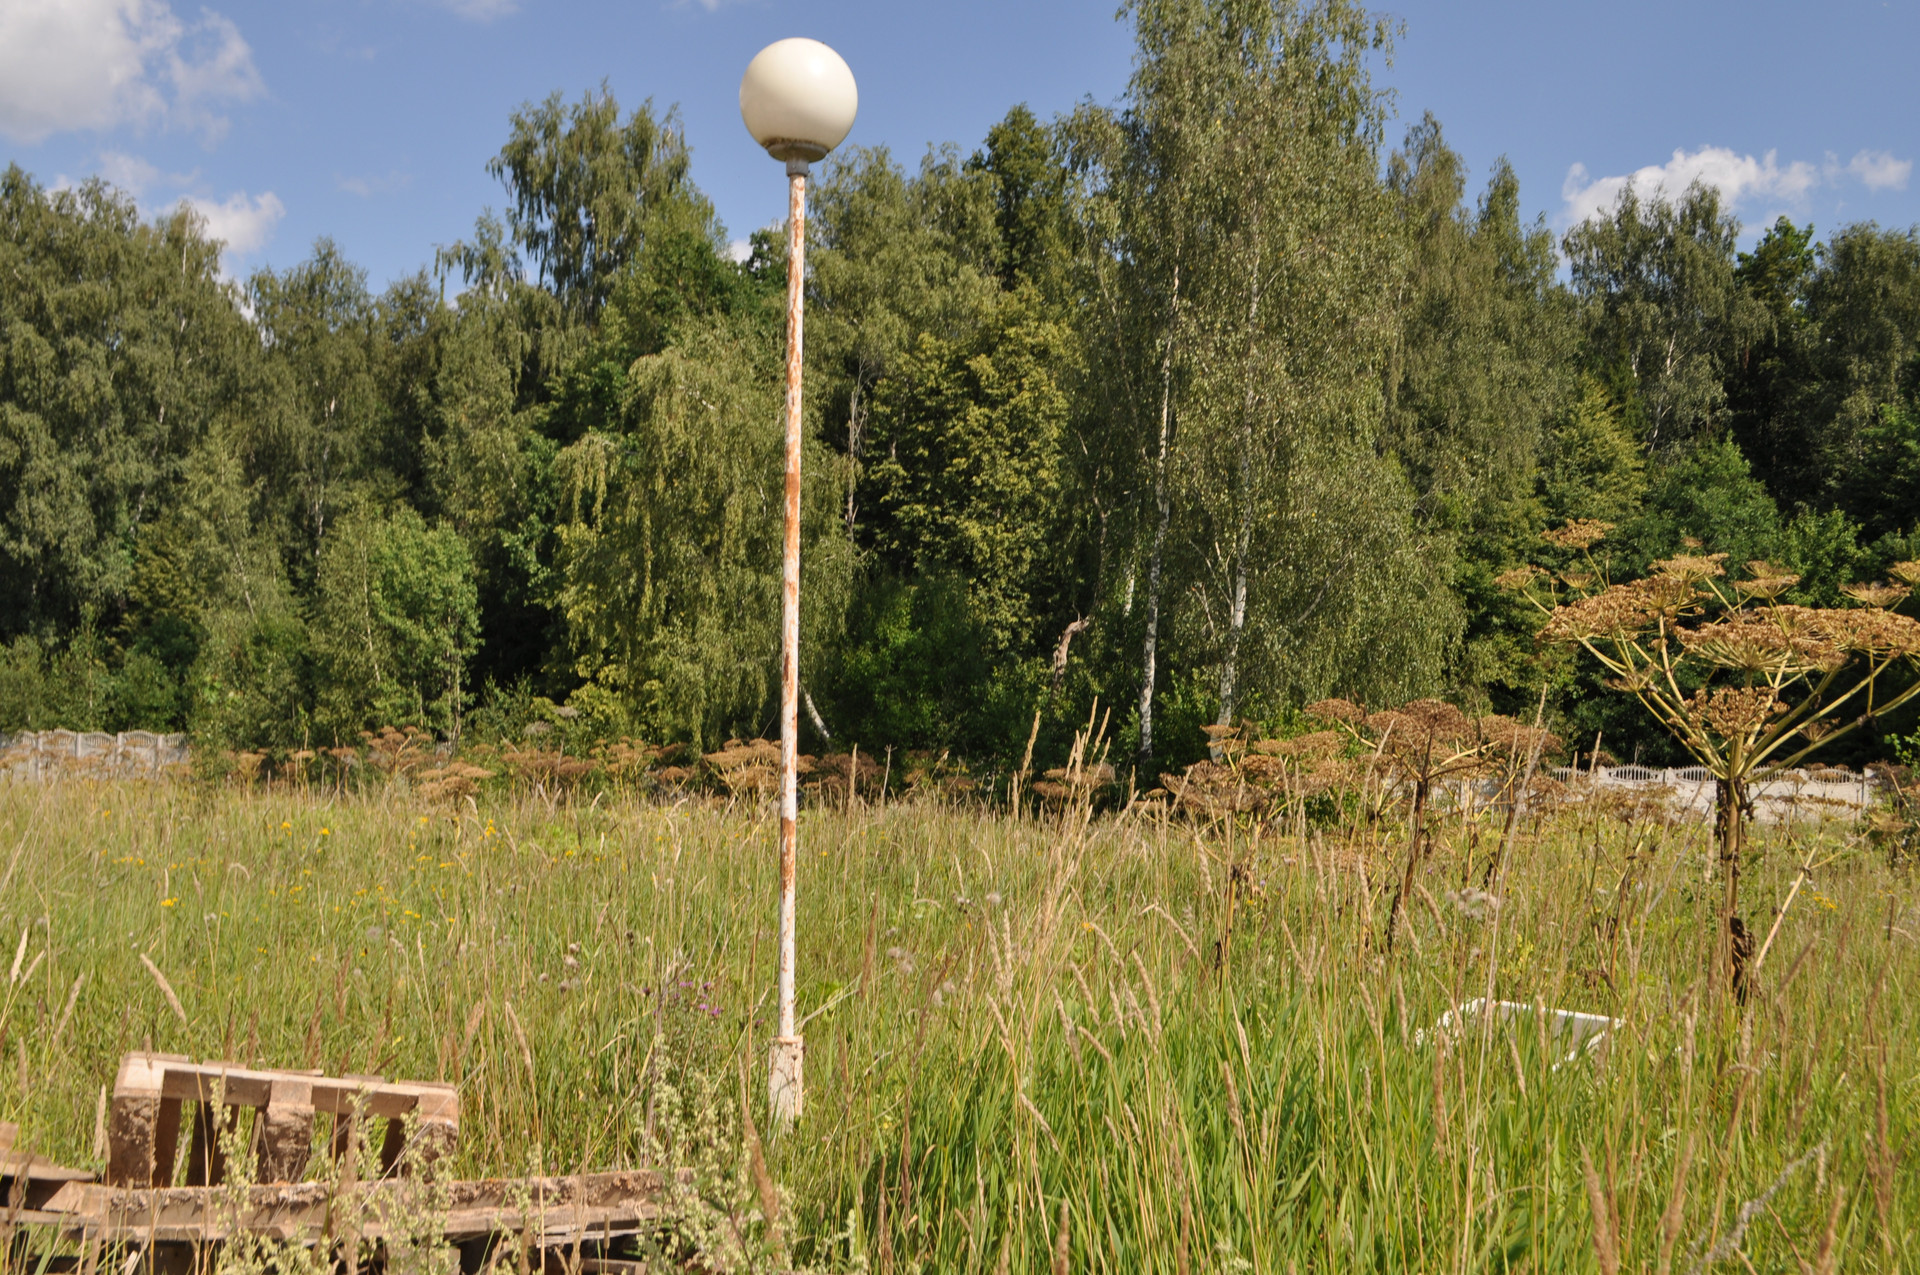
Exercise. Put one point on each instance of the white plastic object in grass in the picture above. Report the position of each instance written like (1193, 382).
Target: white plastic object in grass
(1587, 1034)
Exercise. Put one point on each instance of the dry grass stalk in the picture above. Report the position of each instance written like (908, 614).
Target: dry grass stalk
(166, 989)
(66, 1015)
(1672, 1217)
(1606, 1223)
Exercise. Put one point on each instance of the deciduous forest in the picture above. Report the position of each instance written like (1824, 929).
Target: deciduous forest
(1209, 404)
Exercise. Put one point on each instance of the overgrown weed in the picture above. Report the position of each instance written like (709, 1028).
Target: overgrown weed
(1023, 1038)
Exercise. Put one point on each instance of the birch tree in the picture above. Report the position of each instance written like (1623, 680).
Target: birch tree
(1663, 315)
(1254, 257)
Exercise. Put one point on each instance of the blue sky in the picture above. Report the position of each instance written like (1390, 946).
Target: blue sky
(372, 120)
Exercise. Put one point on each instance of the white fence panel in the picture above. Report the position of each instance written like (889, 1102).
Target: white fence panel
(1781, 796)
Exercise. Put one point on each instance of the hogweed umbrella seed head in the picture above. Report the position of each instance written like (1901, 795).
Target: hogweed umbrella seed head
(1779, 640)
(1735, 712)
(1579, 533)
(1881, 595)
(1691, 568)
(1766, 581)
(1518, 578)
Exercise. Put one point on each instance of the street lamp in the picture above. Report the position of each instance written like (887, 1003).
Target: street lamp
(798, 100)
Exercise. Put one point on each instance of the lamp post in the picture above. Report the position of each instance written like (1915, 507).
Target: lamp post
(798, 100)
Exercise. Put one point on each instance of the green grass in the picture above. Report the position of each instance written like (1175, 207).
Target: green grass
(1022, 1039)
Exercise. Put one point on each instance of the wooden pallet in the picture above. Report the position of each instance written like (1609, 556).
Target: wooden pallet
(547, 1212)
(140, 1216)
(28, 1181)
(143, 1128)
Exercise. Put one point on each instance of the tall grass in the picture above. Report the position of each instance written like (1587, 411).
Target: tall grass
(1120, 1043)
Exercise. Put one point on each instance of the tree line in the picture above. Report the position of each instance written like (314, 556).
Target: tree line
(1202, 406)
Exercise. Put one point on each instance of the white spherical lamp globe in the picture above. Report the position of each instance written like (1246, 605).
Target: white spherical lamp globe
(798, 99)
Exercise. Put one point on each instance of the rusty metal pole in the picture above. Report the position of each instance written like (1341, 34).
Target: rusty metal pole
(786, 1086)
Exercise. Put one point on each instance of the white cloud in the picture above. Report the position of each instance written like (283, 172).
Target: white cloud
(129, 172)
(1738, 178)
(243, 223)
(1879, 170)
(1744, 183)
(480, 10)
(739, 250)
(101, 64)
(223, 72)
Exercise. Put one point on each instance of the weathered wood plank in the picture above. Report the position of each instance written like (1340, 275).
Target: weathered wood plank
(166, 1140)
(144, 1129)
(252, 1087)
(206, 1158)
(131, 1125)
(548, 1210)
(286, 1130)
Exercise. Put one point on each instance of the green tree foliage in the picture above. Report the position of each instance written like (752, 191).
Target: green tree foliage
(211, 603)
(1252, 311)
(1881, 485)
(670, 536)
(394, 626)
(1480, 368)
(255, 682)
(895, 257)
(1823, 397)
(1711, 497)
(945, 381)
(487, 471)
(121, 355)
(318, 452)
(1663, 313)
(1767, 384)
(1201, 405)
(588, 189)
(919, 668)
(1863, 311)
(68, 686)
(1476, 380)
(1593, 467)
(1030, 200)
(966, 478)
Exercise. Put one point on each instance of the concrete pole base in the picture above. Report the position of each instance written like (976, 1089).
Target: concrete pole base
(786, 1086)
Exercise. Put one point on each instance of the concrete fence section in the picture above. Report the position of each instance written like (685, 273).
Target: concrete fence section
(1780, 796)
(55, 754)
(1686, 792)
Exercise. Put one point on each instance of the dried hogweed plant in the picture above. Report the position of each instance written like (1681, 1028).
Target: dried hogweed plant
(1745, 682)
(1428, 743)
(1248, 774)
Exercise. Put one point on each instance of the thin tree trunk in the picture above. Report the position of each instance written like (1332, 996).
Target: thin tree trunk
(1236, 624)
(1237, 608)
(1150, 646)
(1163, 510)
(1060, 653)
(1243, 533)
(856, 418)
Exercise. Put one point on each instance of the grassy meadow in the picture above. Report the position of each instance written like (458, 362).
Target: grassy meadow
(1071, 1041)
